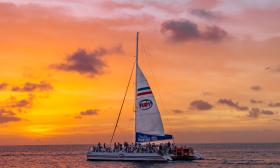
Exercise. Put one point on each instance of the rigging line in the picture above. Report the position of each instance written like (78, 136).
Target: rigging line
(145, 50)
(122, 104)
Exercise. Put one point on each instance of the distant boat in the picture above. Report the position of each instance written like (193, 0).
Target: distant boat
(148, 129)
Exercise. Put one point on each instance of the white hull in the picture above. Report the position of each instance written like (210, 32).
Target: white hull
(123, 156)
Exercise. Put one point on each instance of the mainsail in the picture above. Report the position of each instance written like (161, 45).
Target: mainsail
(148, 124)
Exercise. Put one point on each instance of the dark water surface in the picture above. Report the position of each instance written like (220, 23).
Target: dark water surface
(217, 155)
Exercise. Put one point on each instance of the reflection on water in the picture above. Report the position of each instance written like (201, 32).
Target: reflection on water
(66, 156)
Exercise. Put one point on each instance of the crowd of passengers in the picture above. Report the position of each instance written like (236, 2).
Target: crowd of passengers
(134, 148)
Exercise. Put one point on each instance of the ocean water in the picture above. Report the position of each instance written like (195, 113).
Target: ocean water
(216, 156)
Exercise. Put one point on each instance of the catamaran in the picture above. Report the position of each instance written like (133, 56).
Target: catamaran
(148, 129)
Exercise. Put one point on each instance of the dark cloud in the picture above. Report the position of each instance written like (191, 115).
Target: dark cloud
(88, 112)
(253, 101)
(256, 112)
(24, 103)
(7, 116)
(86, 63)
(230, 103)
(252, 112)
(214, 34)
(206, 93)
(200, 105)
(178, 111)
(3, 86)
(273, 69)
(17, 105)
(277, 104)
(202, 13)
(268, 112)
(256, 88)
(185, 30)
(30, 87)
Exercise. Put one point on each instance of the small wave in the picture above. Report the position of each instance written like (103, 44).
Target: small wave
(41, 154)
(250, 162)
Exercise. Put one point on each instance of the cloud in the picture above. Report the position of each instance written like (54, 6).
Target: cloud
(86, 63)
(214, 34)
(7, 116)
(23, 103)
(178, 111)
(273, 69)
(30, 87)
(183, 30)
(88, 112)
(256, 88)
(10, 107)
(202, 4)
(13, 104)
(202, 13)
(252, 112)
(200, 105)
(186, 30)
(268, 112)
(207, 93)
(253, 101)
(277, 104)
(256, 112)
(230, 103)
(3, 86)
(111, 5)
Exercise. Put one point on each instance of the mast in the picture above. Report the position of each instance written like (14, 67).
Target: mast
(136, 70)
(136, 61)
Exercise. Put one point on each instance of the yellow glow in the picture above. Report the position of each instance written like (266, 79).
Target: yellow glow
(38, 130)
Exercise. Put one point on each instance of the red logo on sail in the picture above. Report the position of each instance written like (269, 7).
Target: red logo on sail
(145, 104)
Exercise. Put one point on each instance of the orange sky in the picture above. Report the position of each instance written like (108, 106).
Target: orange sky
(213, 65)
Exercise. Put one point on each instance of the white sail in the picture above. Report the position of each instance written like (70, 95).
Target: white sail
(148, 125)
(148, 119)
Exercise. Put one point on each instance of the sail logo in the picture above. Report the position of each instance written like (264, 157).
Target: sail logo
(145, 104)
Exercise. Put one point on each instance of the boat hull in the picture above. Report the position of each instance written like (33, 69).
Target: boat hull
(123, 156)
(183, 158)
(187, 157)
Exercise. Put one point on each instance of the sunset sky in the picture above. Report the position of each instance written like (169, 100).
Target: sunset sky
(213, 65)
